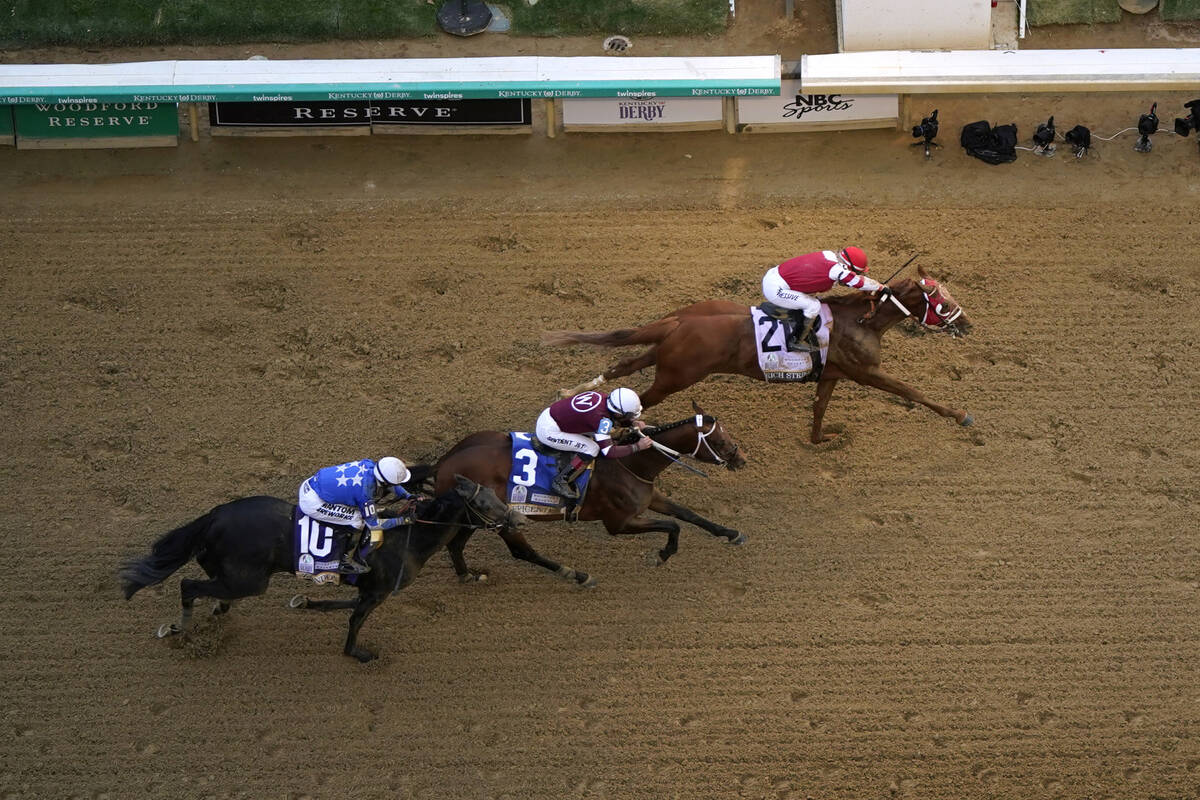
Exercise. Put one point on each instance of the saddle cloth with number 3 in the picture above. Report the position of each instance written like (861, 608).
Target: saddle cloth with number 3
(532, 471)
(777, 363)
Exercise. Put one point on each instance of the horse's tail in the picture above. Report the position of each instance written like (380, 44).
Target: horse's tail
(652, 333)
(168, 554)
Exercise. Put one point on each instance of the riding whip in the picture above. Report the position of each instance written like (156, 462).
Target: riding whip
(902, 266)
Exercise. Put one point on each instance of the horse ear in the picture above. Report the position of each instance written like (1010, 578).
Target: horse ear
(921, 271)
(696, 408)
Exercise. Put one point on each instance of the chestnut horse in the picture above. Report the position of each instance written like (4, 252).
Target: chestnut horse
(717, 336)
(620, 490)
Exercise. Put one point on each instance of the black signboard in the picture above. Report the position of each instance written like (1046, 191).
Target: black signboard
(342, 113)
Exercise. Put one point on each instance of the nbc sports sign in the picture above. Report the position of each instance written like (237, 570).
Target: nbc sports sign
(793, 111)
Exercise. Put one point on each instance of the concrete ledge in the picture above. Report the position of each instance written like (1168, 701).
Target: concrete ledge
(939, 71)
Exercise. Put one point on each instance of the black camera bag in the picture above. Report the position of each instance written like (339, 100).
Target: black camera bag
(994, 145)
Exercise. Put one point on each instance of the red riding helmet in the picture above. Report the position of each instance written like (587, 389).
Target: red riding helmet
(856, 259)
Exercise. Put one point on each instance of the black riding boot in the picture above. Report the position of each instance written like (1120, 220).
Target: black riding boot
(351, 564)
(564, 481)
(801, 344)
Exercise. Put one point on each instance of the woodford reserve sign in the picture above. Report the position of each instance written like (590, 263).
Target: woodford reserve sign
(318, 114)
(94, 124)
(6, 125)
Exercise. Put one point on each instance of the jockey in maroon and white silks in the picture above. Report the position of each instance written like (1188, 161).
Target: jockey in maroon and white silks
(583, 425)
(790, 285)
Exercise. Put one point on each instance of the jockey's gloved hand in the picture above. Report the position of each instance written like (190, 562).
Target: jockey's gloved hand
(644, 443)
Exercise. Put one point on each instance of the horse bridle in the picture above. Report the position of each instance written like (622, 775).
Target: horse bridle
(702, 439)
(945, 320)
(472, 513)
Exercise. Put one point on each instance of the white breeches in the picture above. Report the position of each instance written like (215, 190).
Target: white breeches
(333, 513)
(776, 290)
(549, 434)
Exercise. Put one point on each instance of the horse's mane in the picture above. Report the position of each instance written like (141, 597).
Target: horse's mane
(855, 299)
(632, 436)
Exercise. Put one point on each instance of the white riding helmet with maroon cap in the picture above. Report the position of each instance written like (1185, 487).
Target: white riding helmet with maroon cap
(855, 260)
(625, 403)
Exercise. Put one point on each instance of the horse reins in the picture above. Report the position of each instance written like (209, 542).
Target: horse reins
(947, 321)
(675, 455)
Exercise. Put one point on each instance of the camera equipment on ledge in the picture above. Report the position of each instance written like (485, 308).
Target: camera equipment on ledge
(1147, 125)
(1043, 138)
(1080, 139)
(927, 130)
(1185, 125)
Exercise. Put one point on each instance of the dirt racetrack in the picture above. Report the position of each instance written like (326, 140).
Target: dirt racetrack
(922, 610)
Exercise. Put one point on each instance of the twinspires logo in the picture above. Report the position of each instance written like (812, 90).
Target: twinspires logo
(650, 111)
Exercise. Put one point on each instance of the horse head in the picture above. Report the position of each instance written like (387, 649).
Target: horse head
(702, 437)
(483, 504)
(941, 312)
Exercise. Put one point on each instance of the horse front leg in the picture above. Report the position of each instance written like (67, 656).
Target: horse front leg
(820, 402)
(520, 548)
(456, 548)
(364, 605)
(664, 505)
(881, 380)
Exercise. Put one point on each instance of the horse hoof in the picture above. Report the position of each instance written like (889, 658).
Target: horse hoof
(473, 577)
(167, 629)
(738, 539)
(363, 655)
(585, 581)
(298, 601)
(967, 421)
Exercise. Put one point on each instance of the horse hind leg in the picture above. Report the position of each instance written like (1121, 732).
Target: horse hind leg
(189, 590)
(621, 369)
(632, 364)
(520, 548)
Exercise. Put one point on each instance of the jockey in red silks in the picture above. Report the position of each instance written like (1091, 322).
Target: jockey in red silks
(582, 425)
(789, 286)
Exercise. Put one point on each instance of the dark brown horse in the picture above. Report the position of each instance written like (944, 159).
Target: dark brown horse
(717, 336)
(620, 491)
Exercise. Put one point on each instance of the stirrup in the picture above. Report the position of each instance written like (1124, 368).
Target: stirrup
(560, 485)
(352, 566)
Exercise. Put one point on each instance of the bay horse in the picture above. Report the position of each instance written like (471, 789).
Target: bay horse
(619, 493)
(718, 336)
(240, 544)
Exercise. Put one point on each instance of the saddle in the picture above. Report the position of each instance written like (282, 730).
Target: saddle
(543, 448)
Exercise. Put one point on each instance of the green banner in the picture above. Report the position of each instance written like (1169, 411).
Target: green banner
(44, 121)
(6, 125)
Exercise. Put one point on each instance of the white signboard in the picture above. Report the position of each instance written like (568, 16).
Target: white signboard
(914, 25)
(657, 113)
(794, 111)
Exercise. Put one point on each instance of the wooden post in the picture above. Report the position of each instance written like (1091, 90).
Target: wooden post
(194, 120)
(729, 112)
(551, 117)
(905, 112)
